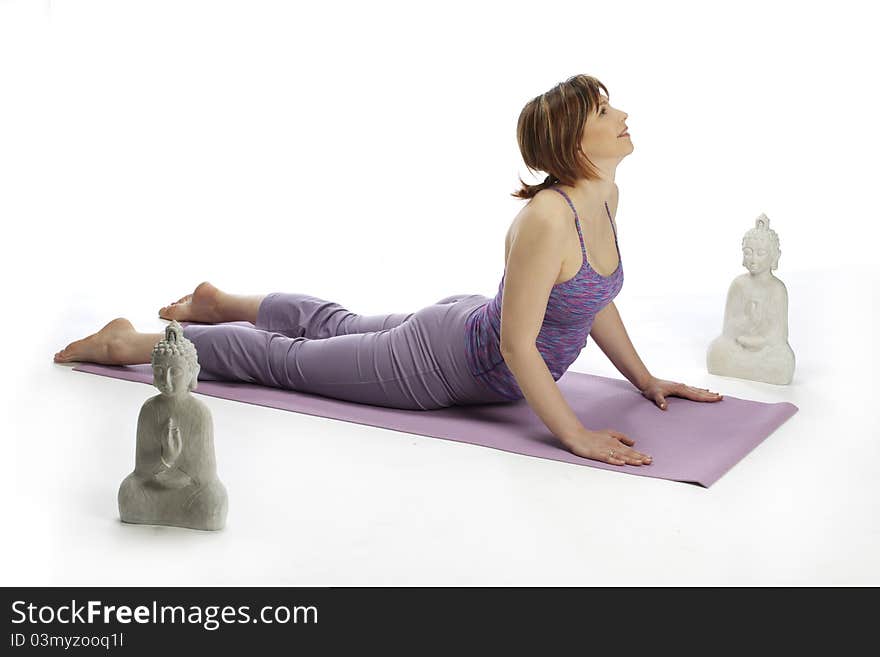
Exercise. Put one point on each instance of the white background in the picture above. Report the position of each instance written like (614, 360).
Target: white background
(366, 152)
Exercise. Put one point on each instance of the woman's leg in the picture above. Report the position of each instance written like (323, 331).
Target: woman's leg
(384, 368)
(418, 364)
(298, 315)
(292, 314)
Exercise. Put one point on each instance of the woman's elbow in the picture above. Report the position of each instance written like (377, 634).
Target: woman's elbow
(511, 348)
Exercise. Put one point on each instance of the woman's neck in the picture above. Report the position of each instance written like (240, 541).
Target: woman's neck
(590, 192)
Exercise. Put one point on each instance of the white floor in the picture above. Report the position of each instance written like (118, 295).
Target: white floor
(320, 502)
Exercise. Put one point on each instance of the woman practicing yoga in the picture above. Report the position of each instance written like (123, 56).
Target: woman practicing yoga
(463, 349)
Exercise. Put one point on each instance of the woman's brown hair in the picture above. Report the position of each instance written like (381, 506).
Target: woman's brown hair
(549, 132)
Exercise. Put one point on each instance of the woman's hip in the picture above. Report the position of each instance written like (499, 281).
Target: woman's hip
(442, 328)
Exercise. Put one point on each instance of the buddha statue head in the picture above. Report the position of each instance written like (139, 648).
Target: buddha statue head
(175, 363)
(760, 247)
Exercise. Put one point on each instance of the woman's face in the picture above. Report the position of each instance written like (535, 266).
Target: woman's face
(601, 138)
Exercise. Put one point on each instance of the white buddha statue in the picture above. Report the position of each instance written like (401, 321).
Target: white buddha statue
(754, 340)
(174, 481)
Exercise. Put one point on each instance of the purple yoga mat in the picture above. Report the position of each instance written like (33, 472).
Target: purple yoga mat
(692, 442)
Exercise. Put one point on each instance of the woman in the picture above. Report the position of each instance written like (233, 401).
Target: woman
(464, 349)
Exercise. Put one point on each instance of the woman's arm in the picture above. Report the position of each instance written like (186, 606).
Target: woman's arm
(542, 393)
(609, 333)
(534, 262)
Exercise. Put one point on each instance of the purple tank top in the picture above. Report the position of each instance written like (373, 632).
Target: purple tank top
(571, 308)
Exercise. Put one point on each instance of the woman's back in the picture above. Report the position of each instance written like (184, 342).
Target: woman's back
(571, 307)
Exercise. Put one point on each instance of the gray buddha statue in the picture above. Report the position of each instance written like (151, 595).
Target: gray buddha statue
(174, 481)
(754, 340)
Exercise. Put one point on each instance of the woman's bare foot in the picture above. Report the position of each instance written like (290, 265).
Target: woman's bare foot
(111, 345)
(210, 305)
(203, 305)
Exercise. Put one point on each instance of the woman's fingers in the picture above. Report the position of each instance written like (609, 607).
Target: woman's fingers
(626, 453)
(612, 454)
(626, 440)
(616, 450)
(631, 456)
(621, 458)
(701, 394)
(687, 392)
(638, 455)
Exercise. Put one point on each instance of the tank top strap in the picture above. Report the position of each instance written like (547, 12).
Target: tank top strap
(577, 222)
(613, 230)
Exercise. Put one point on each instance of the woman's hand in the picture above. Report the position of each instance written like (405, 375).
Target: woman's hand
(657, 390)
(606, 445)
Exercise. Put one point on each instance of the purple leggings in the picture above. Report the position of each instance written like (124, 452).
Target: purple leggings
(299, 342)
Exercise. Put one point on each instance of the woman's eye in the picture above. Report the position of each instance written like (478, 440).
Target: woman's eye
(603, 111)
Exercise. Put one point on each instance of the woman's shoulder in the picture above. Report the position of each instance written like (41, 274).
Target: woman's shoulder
(542, 213)
(546, 205)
